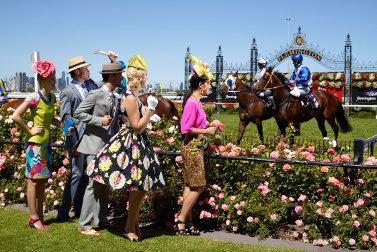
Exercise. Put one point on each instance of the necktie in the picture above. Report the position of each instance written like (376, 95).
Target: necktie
(112, 102)
(85, 90)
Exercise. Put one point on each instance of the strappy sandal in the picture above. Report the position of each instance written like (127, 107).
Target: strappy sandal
(183, 231)
(193, 230)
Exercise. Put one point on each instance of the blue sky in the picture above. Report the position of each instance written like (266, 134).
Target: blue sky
(162, 30)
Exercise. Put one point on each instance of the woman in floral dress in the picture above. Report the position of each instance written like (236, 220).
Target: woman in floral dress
(128, 160)
(38, 140)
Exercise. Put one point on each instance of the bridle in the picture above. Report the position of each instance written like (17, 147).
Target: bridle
(248, 89)
(270, 80)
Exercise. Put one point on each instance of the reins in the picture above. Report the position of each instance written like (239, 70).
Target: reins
(268, 82)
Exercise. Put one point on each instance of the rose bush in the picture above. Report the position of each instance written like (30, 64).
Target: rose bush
(311, 203)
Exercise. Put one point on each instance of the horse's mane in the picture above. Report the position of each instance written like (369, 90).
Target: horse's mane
(280, 76)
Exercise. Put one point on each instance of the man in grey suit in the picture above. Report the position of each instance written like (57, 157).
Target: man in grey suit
(99, 111)
(70, 98)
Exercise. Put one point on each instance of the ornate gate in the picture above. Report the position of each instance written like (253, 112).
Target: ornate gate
(344, 62)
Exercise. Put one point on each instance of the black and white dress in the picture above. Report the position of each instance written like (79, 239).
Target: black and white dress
(128, 161)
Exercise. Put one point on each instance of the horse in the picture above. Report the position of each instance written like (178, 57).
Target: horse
(14, 104)
(251, 107)
(165, 107)
(290, 110)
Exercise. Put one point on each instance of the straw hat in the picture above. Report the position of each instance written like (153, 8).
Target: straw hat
(111, 68)
(76, 63)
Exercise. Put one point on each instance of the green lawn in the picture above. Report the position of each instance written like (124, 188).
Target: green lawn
(362, 127)
(15, 235)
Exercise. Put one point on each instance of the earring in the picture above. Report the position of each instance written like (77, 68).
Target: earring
(201, 91)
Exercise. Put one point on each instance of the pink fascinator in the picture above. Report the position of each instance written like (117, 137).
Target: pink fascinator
(43, 68)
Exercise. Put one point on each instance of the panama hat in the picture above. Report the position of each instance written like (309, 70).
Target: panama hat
(111, 68)
(76, 63)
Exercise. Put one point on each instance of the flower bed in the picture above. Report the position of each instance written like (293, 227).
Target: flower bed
(310, 203)
(328, 80)
(364, 80)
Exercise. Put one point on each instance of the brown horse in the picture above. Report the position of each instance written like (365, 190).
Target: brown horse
(165, 107)
(290, 110)
(14, 104)
(251, 107)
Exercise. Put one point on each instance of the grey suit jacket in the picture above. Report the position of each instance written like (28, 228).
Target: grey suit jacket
(91, 111)
(70, 99)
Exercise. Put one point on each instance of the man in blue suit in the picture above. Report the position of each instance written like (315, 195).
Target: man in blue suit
(70, 98)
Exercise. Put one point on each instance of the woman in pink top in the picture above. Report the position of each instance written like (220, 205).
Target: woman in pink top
(193, 122)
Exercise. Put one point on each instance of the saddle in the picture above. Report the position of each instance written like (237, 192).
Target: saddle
(310, 100)
(269, 102)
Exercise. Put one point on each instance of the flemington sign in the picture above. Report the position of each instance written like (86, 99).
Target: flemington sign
(364, 96)
(299, 51)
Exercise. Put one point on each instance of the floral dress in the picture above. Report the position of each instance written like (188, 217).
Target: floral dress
(128, 160)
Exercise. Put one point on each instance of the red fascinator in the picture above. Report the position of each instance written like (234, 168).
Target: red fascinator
(43, 68)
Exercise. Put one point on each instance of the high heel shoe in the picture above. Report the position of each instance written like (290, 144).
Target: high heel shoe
(183, 231)
(193, 230)
(32, 221)
(41, 218)
(125, 235)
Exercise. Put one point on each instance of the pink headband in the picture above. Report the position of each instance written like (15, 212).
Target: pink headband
(43, 68)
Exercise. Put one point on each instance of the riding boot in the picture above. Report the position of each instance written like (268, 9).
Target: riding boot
(268, 102)
(306, 106)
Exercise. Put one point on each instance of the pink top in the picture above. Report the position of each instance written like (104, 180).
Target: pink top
(193, 116)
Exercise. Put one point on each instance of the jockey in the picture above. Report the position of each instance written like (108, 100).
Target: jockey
(301, 79)
(262, 64)
(3, 93)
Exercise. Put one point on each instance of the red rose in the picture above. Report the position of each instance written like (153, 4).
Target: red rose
(43, 68)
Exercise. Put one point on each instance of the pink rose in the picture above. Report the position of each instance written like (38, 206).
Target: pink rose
(273, 216)
(43, 68)
(299, 223)
(249, 219)
(356, 223)
(319, 203)
(156, 149)
(352, 242)
(286, 167)
(365, 238)
(274, 154)
(298, 209)
(235, 229)
(372, 233)
(178, 159)
(65, 161)
(13, 131)
(224, 207)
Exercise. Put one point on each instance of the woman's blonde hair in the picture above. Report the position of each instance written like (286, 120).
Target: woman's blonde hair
(133, 77)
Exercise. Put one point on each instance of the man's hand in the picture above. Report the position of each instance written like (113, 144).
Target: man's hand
(75, 152)
(106, 120)
(112, 56)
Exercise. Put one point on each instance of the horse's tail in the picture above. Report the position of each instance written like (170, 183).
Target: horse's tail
(342, 120)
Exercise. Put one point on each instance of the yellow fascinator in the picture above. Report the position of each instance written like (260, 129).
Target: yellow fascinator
(138, 62)
(200, 68)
